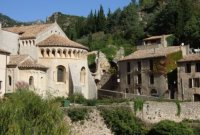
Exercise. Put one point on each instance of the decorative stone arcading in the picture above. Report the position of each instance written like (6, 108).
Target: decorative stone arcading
(60, 52)
(27, 42)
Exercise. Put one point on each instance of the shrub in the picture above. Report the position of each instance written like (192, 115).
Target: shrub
(25, 113)
(167, 127)
(78, 114)
(138, 104)
(178, 108)
(122, 121)
(91, 102)
(77, 98)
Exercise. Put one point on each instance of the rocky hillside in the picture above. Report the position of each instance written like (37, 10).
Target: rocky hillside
(7, 21)
(66, 22)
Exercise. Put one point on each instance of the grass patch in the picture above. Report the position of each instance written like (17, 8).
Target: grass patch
(138, 104)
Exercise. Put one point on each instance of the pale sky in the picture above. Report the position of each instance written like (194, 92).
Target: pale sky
(30, 10)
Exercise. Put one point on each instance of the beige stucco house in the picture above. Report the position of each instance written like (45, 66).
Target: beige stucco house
(48, 62)
(4, 59)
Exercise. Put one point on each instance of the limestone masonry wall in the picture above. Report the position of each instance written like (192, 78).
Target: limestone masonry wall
(154, 112)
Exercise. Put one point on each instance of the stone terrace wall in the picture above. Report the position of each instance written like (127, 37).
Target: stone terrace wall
(154, 112)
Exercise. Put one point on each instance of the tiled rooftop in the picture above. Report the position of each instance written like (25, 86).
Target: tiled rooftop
(24, 61)
(190, 57)
(4, 51)
(57, 40)
(28, 31)
(152, 53)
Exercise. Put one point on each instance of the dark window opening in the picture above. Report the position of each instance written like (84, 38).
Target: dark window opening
(151, 65)
(154, 93)
(188, 68)
(128, 79)
(197, 67)
(61, 74)
(31, 81)
(128, 67)
(190, 83)
(139, 77)
(151, 79)
(54, 53)
(196, 97)
(9, 80)
(127, 90)
(196, 82)
(139, 66)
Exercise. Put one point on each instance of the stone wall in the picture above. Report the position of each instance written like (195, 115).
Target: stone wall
(93, 126)
(154, 112)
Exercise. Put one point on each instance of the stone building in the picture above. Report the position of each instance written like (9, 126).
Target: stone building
(151, 72)
(154, 42)
(189, 77)
(4, 59)
(47, 61)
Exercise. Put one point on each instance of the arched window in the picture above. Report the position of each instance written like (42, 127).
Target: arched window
(31, 81)
(48, 52)
(59, 53)
(54, 53)
(65, 53)
(61, 73)
(83, 75)
(69, 53)
(10, 80)
(42, 52)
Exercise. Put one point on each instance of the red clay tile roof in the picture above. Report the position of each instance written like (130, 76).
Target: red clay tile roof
(2, 51)
(190, 57)
(24, 61)
(57, 40)
(152, 53)
(28, 31)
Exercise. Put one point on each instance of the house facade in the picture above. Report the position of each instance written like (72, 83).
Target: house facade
(154, 42)
(4, 58)
(151, 72)
(189, 77)
(48, 62)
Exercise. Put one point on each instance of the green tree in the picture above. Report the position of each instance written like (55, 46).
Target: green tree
(101, 19)
(130, 25)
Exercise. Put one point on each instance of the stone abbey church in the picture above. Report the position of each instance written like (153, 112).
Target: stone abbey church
(43, 58)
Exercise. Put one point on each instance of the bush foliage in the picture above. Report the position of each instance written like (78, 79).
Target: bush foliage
(167, 127)
(25, 113)
(78, 114)
(77, 98)
(122, 121)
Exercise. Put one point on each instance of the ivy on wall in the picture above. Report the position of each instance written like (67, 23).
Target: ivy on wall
(168, 64)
